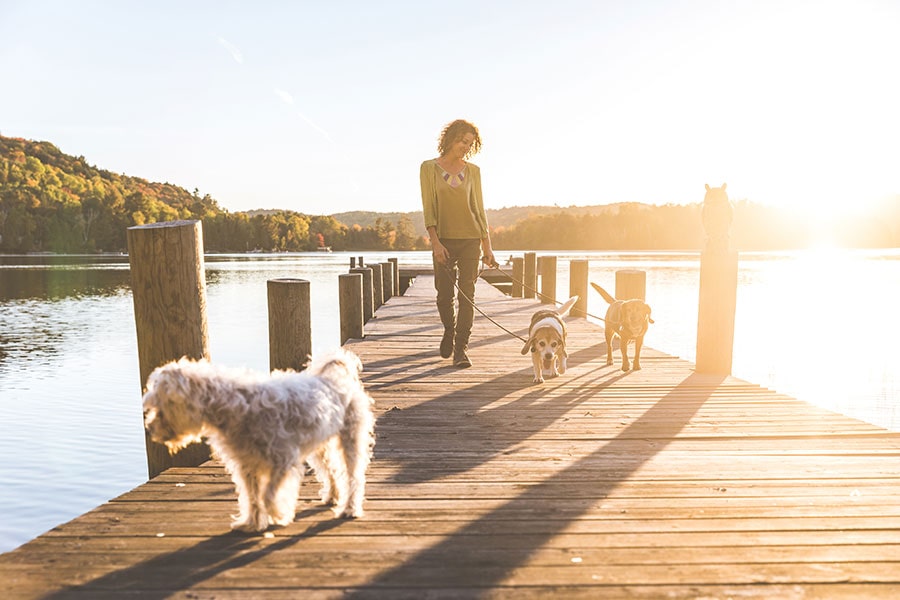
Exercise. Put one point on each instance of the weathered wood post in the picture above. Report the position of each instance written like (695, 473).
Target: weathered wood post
(290, 330)
(631, 284)
(518, 273)
(548, 279)
(396, 264)
(352, 262)
(351, 306)
(387, 281)
(718, 287)
(169, 291)
(377, 286)
(530, 279)
(578, 285)
(359, 262)
(368, 292)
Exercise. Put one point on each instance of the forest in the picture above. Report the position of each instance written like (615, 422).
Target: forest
(54, 202)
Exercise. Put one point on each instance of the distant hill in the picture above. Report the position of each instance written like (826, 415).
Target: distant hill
(497, 217)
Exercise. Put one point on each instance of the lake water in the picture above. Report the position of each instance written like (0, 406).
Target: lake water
(817, 325)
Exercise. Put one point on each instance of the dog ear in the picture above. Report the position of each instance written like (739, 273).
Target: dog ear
(529, 343)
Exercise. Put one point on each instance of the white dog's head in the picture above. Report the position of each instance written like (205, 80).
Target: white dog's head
(171, 414)
(339, 367)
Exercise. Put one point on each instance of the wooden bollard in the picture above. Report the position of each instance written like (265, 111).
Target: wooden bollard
(395, 262)
(290, 331)
(387, 281)
(631, 284)
(169, 291)
(548, 279)
(377, 286)
(530, 277)
(578, 285)
(352, 262)
(367, 292)
(351, 306)
(359, 262)
(718, 287)
(518, 274)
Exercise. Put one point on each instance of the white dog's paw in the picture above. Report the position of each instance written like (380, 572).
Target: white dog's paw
(352, 513)
(538, 379)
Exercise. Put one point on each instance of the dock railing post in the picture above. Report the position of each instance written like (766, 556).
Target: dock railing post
(518, 273)
(377, 286)
(290, 330)
(718, 287)
(530, 278)
(168, 284)
(368, 292)
(631, 284)
(548, 279)
(387, 281)
(395, 262)
(578, 285)
(351, 306)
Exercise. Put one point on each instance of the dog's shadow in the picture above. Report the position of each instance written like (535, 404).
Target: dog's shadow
(480, 412)
(187, 567)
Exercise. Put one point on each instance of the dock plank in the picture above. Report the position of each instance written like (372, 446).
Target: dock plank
(661, 483)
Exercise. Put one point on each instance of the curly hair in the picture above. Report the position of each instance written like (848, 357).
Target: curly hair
(455, 130)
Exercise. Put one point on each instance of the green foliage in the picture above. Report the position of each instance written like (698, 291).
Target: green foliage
(53, 202)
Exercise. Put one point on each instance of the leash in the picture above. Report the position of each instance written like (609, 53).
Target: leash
(475, 306)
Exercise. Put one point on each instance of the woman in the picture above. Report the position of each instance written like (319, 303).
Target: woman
(458, 229)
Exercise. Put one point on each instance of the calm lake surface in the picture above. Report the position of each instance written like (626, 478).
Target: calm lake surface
(818, 325)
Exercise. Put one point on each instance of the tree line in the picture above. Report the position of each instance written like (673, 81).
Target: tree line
(53, 202)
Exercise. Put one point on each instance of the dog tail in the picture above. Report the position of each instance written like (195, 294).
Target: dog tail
(565, 308)
(604, 293)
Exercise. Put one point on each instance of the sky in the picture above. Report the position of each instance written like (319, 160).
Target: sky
(329, 106)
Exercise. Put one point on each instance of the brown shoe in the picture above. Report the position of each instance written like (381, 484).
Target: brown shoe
(461, 359)
(447, 343)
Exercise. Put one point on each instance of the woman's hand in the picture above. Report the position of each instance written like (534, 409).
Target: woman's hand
(440, 252)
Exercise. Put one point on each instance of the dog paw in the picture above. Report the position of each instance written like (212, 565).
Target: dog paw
(355, 513)
(636, 367)
(625, 367)
(248, 526)
(538, 380)
(609, 362)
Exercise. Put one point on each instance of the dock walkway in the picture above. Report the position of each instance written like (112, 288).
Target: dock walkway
(660, 483)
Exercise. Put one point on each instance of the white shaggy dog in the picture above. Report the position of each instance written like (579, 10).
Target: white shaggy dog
(264, 426)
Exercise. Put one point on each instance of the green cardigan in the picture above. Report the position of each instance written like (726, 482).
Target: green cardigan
(456, 213)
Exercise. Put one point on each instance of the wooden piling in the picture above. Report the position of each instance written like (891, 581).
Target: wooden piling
(631, 284)
(548, 279)
(578, 285)
(367, 292)
(290, 331)
(530, 278)
(387, 281)
(377, 286)
(395, 262)
(352, 262)
(169, 293)
(351, 306)
(518, 273)
(718, 287)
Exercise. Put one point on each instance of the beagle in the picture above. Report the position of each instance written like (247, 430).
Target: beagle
(547, 341)
(628, 319)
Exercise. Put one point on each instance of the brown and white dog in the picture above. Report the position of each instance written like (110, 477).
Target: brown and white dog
(547, 341)
(628, 319)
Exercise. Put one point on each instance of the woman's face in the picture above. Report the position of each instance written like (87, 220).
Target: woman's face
(462, 145)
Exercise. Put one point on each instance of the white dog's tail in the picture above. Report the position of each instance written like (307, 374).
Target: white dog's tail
(565, 308)
(606, 295)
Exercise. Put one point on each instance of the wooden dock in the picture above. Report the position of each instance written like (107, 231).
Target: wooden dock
(660, 483)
